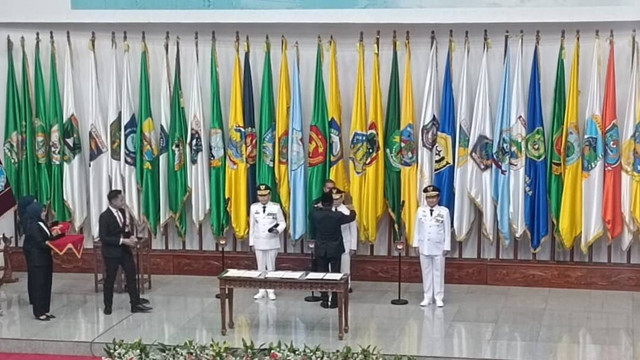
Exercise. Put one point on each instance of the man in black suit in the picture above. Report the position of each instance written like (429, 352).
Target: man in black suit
(325, 227)
(116, 252)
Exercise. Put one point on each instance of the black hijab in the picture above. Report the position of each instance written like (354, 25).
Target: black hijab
(24, 203)
(33, 214)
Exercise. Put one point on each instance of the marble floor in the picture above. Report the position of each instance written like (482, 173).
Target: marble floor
(479, 322)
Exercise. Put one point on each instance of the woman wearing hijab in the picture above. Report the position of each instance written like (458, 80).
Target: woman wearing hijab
(40, 265)
(24, 202)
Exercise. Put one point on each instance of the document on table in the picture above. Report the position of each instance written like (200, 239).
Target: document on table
(333, 276)
(251, 274)
(315, 276)
(234, 273)
(275, 274)
(293, 274)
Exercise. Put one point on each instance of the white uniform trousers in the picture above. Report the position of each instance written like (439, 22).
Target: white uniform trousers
(432, 276)
(266, 260)
(345, 264)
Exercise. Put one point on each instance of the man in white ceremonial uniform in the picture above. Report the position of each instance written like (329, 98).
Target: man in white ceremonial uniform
(349, 234)
(432, 241)
(266, 223)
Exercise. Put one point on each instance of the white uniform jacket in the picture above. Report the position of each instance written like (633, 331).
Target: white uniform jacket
(349, 231)
(261, 219)
(432, 233)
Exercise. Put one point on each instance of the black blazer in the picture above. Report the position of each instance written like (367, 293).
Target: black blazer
(111, 233)
(325, 228)
(37, 252)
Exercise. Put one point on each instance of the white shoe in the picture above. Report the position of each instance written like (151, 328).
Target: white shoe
(260, 295)
(271, 294)
(425, 302)
(439, 303)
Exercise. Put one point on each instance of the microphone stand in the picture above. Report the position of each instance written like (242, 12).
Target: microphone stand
(313, 297)
(400, 248)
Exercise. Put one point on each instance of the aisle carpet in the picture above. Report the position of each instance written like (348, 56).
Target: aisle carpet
(13, 356)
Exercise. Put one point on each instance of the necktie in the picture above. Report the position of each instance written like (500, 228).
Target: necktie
(264, 209)
(119, 216)
(431, 211)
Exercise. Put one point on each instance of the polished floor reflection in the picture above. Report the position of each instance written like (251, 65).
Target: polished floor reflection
(477, 322)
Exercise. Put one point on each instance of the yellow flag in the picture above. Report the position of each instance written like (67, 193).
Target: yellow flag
(374, 203)
(358, 143)
(338, 172)
(570, 223)
(408, 172)
(282, 130)
(237, 168)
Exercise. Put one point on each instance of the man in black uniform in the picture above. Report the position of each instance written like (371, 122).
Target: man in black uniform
(327, 188)
(116, 251)
(325, 227)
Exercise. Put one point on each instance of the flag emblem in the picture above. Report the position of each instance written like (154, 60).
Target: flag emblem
(336, 142)
(503, 152)
(572, 149)
(163, 140)
(443, 156)
(97, 146)
(268, 141)
(149, 150)
(393, 151)
(359, 151)
(196, 141)
(216, 148)
(317, 146)
(130, 141)
(11, 147)
(178, 153)
(55, 147)
(252, 145)
(41, 142)
(408, 154)
(481, 153)
(612, 142)
(463, 146)
(283, 142)
(429, 133)
(517, 152)
(556, 160)
(116, 131)
(591, 155)
(297, 150)
(71, 138)
(234, 151)
(373, 145)
(535, 144)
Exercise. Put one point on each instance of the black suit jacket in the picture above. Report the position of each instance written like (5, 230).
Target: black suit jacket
(325, 227)
(111, 233)
(35, 248)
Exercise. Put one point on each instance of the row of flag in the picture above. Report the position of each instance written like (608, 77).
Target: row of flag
(492, 167)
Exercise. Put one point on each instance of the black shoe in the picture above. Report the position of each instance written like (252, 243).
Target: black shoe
(350, 290)
(146, 307)
(50, 316)
(139, 309)
(107, 310)
(42, 318)
(144, 301)
(324, 304)
(334, 305)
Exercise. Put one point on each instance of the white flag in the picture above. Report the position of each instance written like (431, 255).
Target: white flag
(518, 128)
(464, 211)
(630, 227)
(74, 179)
(165, 120)
(198, 169)
(114, 134)
(592, 158)
(128, 132)
(429, 124)
(481, 152)
(98, 149)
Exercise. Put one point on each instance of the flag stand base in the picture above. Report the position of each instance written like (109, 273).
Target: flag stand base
(312, 298)
(399, 302)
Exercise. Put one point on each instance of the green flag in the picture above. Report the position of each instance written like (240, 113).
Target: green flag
(555, 170)
(28, 166)
(42, 133)
(217, 158)
(147, 160)
(177, 172)
(12, 138)
(393, 146)
(58, 207)
(266, 136)
(319, 159)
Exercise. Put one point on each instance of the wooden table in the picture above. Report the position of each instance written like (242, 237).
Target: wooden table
(228, 284)
(143, 269)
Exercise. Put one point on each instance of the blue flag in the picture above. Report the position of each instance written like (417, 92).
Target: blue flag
(443, 167)
(502, 154)
(536, 205)
(297, 159)
(250, 125)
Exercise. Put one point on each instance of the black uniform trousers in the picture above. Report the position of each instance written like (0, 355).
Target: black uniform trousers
(323, 263)
(128, 265)
(39, 280)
